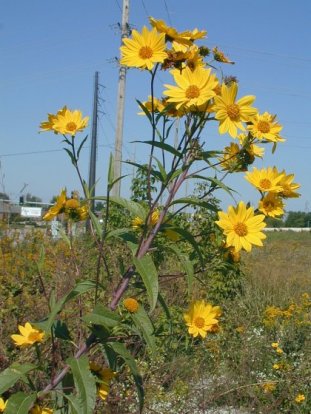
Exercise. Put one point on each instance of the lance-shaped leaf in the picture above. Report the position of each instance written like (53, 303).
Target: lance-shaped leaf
(11, 375)
(85, 384)
(186, 264)
(144, 325)
(135, 208)
(154, 173)
(195, 202)
(80, 146)
(20, 403)
(119, 349)
(148, 272)
(186, 235)
(163, 146)
(97, 226)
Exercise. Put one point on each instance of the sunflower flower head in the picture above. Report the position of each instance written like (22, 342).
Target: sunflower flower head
(131, 305)
(104, 377)
(49, 124)
(265, 179)
(231, 113)
(70, 122)
(219, 56)
(144, 49)
(271, 205)
(242, 227)
(28, 335)
(201, 318)
(288, 187)
(264, 127)
(193, 88)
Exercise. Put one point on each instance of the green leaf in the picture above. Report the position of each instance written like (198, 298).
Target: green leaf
(79, 289)
(188, 236)
(161, 170)
(85, 384)
(144, 325)
(96, 224)
(135, 208)
(186, 264)
(143, 107)
(149, 275)
(121, 350)
(165, 147)
(195, 202)
(61, 331)
(217, 183)
(102, 316)
(12, 374)
(20, 403)
(111, 170)
(154, 173)
(80, 146)
(74, 403)
(40, 262)
(71, 156)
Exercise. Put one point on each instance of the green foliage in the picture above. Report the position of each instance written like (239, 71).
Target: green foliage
(298, 219)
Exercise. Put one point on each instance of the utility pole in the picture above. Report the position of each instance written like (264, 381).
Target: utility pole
(120, 105)
(92, 169)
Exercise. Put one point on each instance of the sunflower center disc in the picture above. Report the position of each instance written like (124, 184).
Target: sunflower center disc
(265, 183)
(199, 322)
(192, 92)
(71, 126)
(240, 229)
(263, 126)
(145, 52)
(233, 111)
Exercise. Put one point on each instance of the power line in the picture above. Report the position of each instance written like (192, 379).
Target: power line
(168, 13)
(145, 8)
(118, 5)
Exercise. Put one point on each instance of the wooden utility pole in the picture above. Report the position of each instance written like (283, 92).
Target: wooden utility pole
(120, 105)
(93, 155)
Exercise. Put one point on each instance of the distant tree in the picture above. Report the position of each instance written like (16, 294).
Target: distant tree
(298, 219)
(140, 185)
(99, 206)
(32, 200)
(4, 196)
(274, 222)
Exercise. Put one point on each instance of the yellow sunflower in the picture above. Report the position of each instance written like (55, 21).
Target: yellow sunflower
(131, 305)
(185, 38)
(29, 335)
(241, 227)
(194, 88)
(105, 375)
(36, 409)
(144, 49)
(70, 122)
(58, 208)
(271, 205)
(266, 179)
(190, 55)
(49, 124)
(288, 187)
(201, 318)
(265, 127)
(231, 113)
(229, 160)
(300, 398)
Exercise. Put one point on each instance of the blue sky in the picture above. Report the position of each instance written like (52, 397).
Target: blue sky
(51, 50)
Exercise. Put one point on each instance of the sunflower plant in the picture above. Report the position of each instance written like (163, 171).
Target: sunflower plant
(77, 377)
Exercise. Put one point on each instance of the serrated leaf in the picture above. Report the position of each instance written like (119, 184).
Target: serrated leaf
(102, 316)
(144, 325)
(121, 350)
(85, 384)
(149, 275)
(186, 264)
(12, 374)
(20, 403)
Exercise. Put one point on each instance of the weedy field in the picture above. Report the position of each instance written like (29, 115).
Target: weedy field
(258, 359)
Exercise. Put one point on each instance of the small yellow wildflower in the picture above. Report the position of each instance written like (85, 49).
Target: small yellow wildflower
(240, 329)
(219, 56)
(131, 305)
(268, 387)
(36, 409)
(29, 335)
(2, 405)
(279, 350)
(300, 398)
(137, 223)
(276, 366)
(275, 345)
